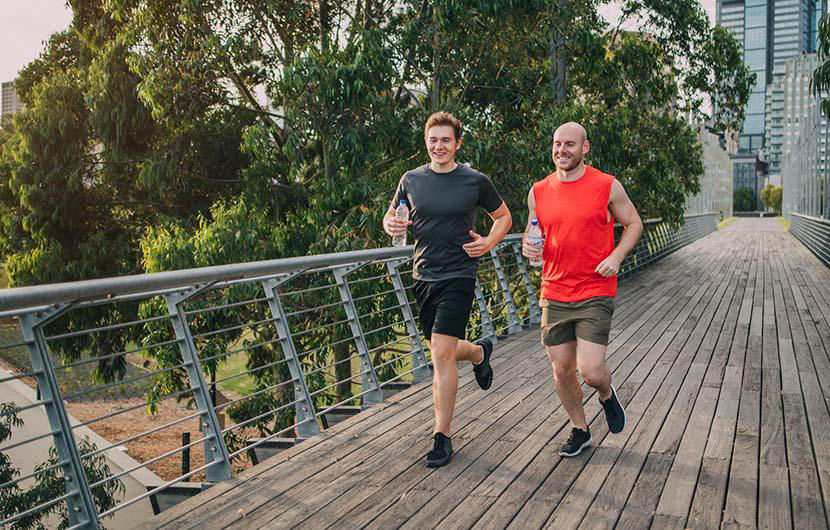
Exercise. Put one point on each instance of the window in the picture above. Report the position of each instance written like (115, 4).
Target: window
(755, 16)
(755, 38)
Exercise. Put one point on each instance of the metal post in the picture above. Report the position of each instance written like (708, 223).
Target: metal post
(487, 329)
(420, 369)
(369, 378)
(216, 452)
(304, 407)
(81, 509)
(512, 314)
(534, 313)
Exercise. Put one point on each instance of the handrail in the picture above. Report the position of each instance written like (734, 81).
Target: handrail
(321, 334)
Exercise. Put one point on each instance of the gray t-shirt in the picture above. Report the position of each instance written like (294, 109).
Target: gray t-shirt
(443, 208)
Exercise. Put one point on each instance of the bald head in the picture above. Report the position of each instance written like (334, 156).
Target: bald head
(572, 128)
(570, 145)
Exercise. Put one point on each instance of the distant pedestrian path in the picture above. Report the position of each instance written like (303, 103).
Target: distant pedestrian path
(721, 354)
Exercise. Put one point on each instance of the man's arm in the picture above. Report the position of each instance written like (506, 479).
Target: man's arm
(502, 221)
(624, 211)
(529, 251)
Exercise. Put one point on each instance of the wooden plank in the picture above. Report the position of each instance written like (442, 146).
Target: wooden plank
(614, 484)
(565, 434)
(296, 464)
(292, 486)
(694, 324)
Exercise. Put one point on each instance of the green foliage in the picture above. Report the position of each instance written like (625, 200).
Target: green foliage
(743, 200)
(145, 145)
(771, 197)
(820, 83)
(49, 482)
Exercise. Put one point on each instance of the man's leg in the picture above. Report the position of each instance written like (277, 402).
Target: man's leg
(446, 352)
(590, 359)
(563, 359)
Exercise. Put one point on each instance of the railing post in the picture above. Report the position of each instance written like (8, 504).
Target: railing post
(216, 452)
(420, 369)
(487, 328)
(368, 378)
(81, 509)
(534, 313)
(304, 407)
(515, 325)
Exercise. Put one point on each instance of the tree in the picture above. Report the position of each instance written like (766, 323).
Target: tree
(144, 126)
(743, 200)
(49, 482)
(820, 83)
(771, 197)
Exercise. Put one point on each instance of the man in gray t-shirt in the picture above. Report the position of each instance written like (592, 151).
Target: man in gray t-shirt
(444, 198)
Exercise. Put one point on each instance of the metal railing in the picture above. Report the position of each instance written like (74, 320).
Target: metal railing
(241, 355)
(814, 233)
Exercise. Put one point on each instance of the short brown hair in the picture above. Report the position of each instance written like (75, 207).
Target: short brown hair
(443, 118)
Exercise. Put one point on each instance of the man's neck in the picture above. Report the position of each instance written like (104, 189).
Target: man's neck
(443, 168)
(571, 174)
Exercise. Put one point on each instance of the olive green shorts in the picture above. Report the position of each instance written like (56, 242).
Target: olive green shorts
(587, 319)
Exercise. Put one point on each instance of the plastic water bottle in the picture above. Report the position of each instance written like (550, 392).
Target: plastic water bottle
(401, 213)
(537, 239)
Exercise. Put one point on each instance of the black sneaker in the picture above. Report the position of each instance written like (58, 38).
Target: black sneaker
(614, 412)
(441, 451)
(577, 441)
(483, 371)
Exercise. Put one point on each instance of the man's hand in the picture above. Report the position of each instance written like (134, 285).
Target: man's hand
(478, 246)
(394, 226)
(609, 266)
(531, 252)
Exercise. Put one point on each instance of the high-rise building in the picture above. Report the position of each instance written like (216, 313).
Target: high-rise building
(10, 103)
(769, 31)
(790, 106)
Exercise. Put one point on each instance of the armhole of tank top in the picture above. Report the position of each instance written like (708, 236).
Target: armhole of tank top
(609, 217)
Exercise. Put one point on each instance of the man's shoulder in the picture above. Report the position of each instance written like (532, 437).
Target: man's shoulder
(416, 172)
(600, 174)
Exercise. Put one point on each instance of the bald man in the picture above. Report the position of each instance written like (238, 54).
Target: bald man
(576, 207)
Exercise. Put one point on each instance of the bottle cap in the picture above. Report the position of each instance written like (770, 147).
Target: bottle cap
(534, 222)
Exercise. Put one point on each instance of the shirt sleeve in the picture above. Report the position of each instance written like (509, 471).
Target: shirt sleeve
(400, 194)
(488, 197)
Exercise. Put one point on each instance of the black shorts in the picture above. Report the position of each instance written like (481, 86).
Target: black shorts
(444, 306)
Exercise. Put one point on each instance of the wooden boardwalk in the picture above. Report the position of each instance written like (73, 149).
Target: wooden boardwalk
(721, 355)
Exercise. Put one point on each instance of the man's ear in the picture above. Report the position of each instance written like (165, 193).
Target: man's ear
(586, 147)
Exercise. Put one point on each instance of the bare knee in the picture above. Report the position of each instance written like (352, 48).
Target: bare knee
(594, 375)
(442, 357)
(563, 371)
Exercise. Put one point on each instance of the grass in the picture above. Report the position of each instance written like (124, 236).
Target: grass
(726, 222)
(784, 221)
(233, 365)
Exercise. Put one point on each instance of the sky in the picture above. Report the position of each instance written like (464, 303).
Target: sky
(26, 24)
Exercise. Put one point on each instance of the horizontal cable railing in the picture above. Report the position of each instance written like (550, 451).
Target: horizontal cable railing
(814, 233)
(196, 374)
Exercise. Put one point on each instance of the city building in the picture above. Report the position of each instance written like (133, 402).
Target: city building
(790, 105)
(770, 32)
(804, 163)
(10, 103)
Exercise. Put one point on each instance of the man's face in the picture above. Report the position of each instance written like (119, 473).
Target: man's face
(569, 148)
(441, 144)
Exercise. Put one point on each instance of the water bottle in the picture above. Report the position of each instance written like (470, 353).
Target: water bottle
(401, 213)
(537, 239)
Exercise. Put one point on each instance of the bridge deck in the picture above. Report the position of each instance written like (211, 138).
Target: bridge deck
(721, 354)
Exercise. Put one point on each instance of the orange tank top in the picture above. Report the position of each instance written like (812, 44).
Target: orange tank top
(579, 234)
